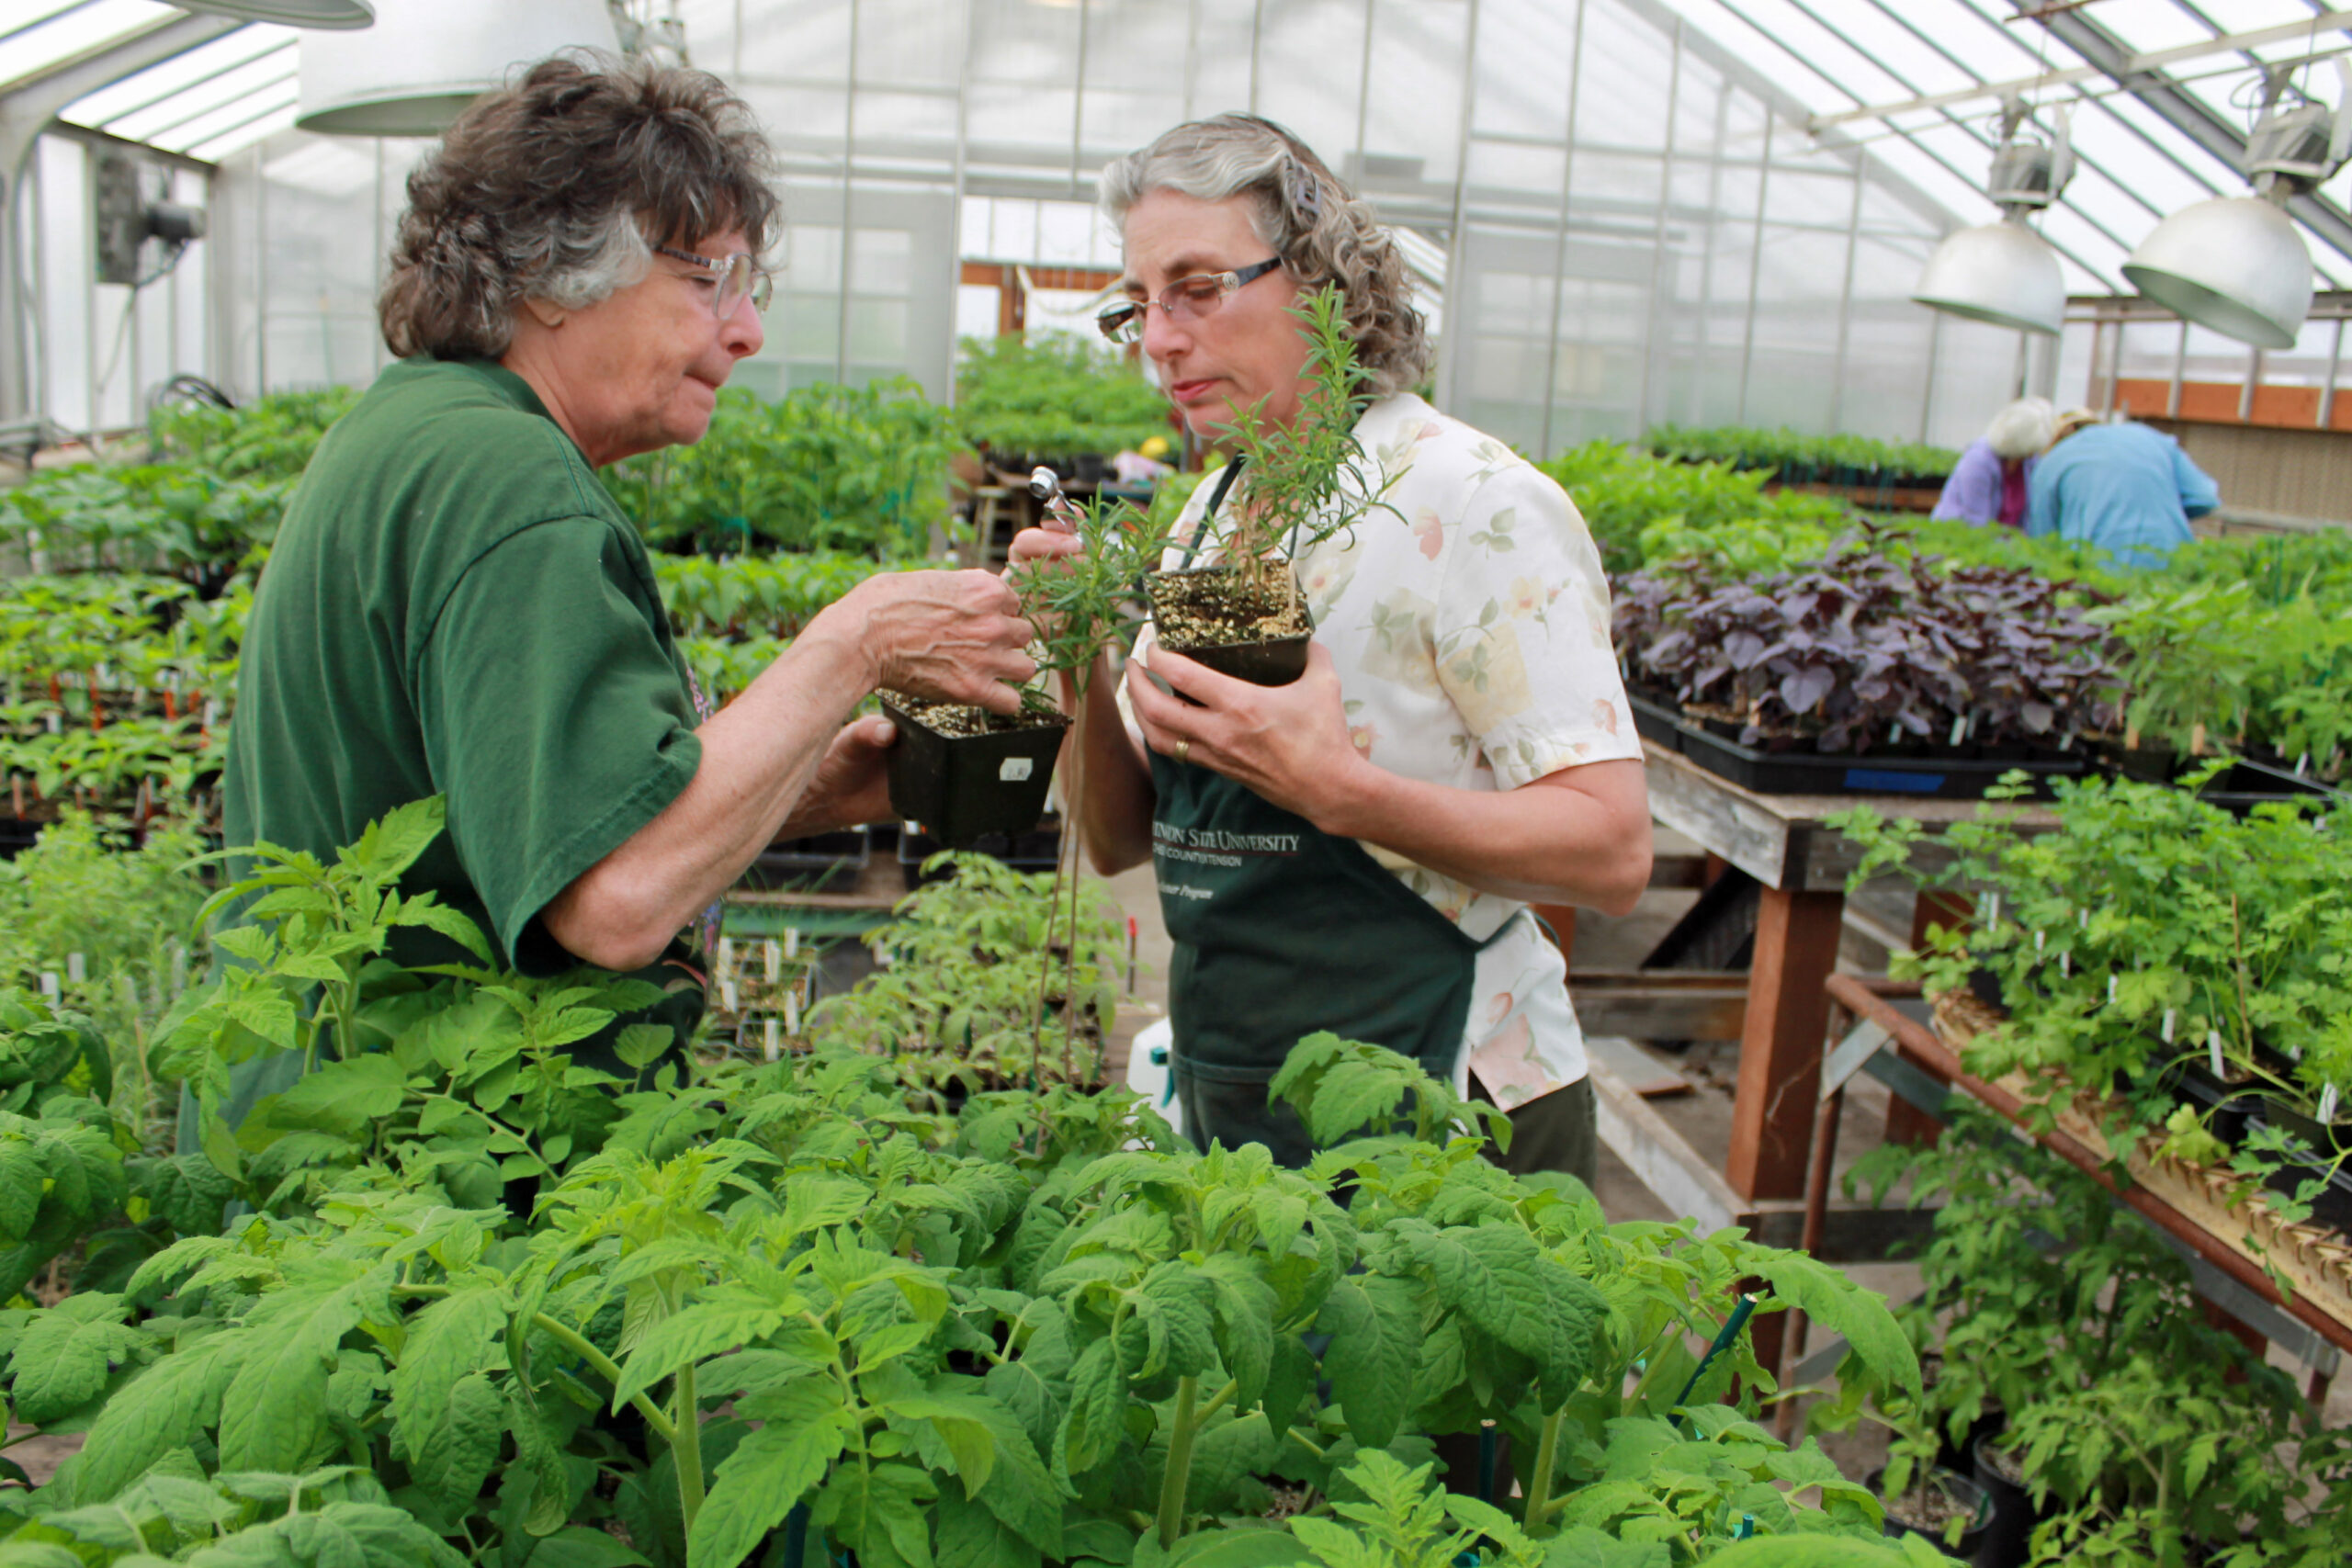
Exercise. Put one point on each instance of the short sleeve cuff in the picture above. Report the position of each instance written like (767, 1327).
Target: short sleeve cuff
(523, 935)
(1520, 760)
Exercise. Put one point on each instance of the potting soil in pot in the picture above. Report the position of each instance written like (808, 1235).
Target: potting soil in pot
(1213, 608)
(962, 719)
(1928, 1509)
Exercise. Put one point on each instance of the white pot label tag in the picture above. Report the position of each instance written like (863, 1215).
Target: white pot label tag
(1012, 770)
(2213, 1044)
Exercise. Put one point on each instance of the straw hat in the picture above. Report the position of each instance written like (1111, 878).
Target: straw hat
(2073, 419)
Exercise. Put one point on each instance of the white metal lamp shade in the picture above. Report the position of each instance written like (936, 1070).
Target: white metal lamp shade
(424, 61)
(289, 13)
(2233, 263)
(2001, 273)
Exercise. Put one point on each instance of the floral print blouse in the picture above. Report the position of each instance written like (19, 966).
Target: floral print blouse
(1468, 617)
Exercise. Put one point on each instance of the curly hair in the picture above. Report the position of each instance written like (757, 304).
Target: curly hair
(557, 187)
(1323, 232)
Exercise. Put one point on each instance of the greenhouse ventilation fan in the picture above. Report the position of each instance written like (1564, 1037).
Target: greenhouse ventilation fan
(2236, 263)
(2003, 272)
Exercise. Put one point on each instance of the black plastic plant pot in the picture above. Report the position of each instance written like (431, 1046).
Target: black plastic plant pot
(1963, 1493)
(2226, 1106)
(1277, 662)
(960, 786)
(2007, 1537)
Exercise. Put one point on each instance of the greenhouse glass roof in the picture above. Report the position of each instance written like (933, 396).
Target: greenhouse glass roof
(1908, 79)
(1914, 81)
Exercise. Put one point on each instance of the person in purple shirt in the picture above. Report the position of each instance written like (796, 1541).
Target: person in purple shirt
(1992, 480)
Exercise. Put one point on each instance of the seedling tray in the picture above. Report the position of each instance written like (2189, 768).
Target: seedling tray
(2238, 789)
(1937, 777)
(2333, 1206)
(818, 861)
(1040, 849)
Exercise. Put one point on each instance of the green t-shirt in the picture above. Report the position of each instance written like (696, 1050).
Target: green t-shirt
(454, 606)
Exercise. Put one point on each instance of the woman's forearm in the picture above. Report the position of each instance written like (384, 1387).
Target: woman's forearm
(1579, 836)
(759, 755)
(1111, 782)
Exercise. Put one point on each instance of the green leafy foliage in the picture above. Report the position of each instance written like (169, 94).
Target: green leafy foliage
(1053, 395)
(2150, 930)
(1805, 459)
(825, 468)
(985, 983)
(2139, 1425)
(1642, 510)
(1006, 1337)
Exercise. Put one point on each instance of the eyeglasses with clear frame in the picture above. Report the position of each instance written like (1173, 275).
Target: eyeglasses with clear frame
(739, 278)
(1186, 300)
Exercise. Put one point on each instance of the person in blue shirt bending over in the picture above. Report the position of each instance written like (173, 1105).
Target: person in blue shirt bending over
(2126, 488)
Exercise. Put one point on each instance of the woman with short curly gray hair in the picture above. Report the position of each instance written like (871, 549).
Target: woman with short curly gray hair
(454, 606)
(1357, 852)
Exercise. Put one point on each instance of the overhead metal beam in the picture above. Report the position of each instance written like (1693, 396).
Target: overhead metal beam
(2191, 118)
(2155, 59)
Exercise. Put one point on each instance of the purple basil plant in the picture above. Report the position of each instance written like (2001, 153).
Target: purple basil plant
(1868, 648)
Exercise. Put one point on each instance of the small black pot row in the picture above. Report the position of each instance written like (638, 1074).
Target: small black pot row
(1785, 764)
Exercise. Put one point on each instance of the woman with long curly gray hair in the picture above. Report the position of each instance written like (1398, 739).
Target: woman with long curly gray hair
(455, 605)
(1358, 851)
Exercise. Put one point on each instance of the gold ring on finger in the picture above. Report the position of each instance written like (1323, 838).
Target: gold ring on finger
(1182, 748)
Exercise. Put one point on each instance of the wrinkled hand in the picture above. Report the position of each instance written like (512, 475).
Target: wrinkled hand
(852, 784)
(1287, 743)
(955, 636)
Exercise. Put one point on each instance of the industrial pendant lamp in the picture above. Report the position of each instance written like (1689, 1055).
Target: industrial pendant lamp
(421, 64)
(2236, 263)
(2003, 272)
(288, 13)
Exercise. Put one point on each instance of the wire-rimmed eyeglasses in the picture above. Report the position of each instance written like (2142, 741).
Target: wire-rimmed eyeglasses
(738, 277)
(1187, 298)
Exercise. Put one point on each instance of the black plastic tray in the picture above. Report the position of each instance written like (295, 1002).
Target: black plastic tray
(17, 835)
(2238, 789)
(1037, 849)
(2333, 1206)
(1823, 772)
(819, 860)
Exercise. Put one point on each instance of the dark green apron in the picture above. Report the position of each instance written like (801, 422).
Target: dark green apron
(1282, 930)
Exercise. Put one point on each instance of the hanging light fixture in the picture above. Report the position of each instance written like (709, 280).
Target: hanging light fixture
(421, 64)
(288, 13)
(2236, 263)
(2003, 272)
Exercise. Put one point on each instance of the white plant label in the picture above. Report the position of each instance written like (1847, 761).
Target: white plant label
(1959, 728)
(2214, 1048)
(2168, 1026)
(2327, 1097)
(1012, 770)
(2111, 987)
(774, 1047)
